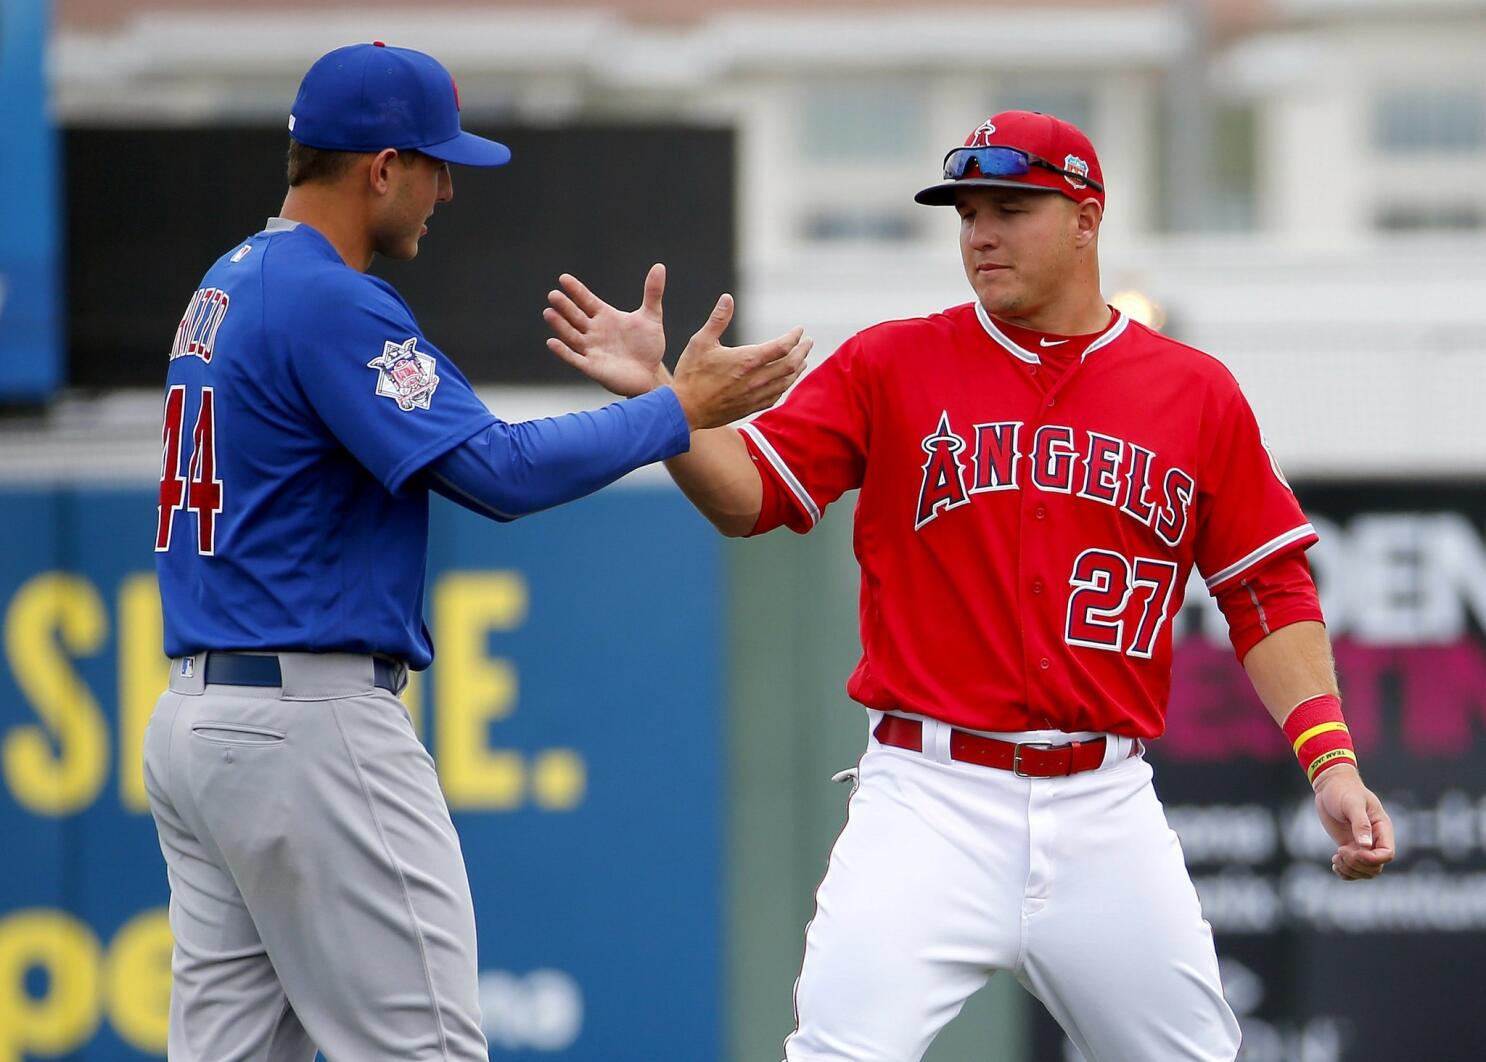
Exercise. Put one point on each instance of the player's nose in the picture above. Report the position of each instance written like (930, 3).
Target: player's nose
(446, 184)
(983, 231)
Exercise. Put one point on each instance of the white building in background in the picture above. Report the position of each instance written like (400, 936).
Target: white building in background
(1328, 159)
(838, 108)
(1370, 117)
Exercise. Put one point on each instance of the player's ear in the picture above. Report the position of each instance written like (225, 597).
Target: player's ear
(379, 174)
(1087, 216)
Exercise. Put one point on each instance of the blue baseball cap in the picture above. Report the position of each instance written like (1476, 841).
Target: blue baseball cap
(367, 97)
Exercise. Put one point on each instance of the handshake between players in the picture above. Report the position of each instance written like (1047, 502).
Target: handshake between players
(714, 384)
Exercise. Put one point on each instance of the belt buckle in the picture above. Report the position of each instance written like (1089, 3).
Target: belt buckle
(1016, 756)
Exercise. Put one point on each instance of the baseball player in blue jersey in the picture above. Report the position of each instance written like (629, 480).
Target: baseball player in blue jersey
(318, 893)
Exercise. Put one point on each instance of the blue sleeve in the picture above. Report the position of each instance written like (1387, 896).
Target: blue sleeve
(509, 470)
(388, 395)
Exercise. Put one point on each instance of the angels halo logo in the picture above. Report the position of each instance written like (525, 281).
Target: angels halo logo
(982, 135)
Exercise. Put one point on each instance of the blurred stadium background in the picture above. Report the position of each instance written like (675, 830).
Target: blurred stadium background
(636, 721)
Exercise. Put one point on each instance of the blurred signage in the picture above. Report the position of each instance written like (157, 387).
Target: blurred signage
(574, 713)
(1304, 955)
(30, 318)
(482, 274)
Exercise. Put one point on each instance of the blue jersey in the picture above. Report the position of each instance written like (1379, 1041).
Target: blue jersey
(301, 399)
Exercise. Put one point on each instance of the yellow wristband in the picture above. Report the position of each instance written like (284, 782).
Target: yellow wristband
(1318, 729)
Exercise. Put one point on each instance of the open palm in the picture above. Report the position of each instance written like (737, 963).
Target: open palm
(622, 351)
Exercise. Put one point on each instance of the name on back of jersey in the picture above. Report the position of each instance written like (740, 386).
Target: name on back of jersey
(1099, 468)
(196, 335)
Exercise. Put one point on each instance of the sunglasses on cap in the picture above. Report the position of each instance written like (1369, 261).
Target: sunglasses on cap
(1004, 162)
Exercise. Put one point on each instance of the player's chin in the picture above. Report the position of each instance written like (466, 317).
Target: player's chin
(996, 294)
(402, 250)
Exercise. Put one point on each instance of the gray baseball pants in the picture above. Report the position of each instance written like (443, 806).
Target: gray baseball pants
(318, 895)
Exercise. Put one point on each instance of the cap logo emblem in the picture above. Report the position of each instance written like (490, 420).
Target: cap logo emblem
(1076, 165)
(982, 135)
(457, 107)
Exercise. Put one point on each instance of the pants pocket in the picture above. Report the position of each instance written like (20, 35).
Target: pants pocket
(236, 734)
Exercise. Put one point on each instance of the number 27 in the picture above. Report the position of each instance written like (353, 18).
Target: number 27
(1103, 584)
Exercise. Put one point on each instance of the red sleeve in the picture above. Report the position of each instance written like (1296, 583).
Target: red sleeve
(1246, 512)
(811, 448)
(779, 505)
(1276, 594)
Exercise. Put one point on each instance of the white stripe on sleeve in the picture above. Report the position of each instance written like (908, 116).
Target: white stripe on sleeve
(1273, 546)
(790, 480)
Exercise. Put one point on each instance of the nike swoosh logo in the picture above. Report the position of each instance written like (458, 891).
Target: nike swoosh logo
(1054, 343)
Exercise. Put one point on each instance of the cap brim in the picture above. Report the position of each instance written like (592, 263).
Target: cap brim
(467, 149)
(944, 194)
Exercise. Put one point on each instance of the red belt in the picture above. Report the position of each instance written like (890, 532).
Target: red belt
(1027, 759)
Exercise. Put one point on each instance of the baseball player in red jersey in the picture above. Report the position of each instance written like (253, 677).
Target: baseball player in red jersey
(1038, 475)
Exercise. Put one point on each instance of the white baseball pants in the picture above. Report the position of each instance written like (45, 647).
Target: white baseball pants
(947, 872)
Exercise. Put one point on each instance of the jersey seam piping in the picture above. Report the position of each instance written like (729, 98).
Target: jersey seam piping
(438, 1013)
(1031, 357)
(1258, 607)
(788, 477)
(1274, 545)
(1108, 337)
(1003, 340)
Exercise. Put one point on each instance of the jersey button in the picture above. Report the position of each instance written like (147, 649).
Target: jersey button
(1040, 512)
(1051, 402)
(1044, 663)
(1037, 586)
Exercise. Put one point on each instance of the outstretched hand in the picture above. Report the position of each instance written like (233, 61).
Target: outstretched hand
(1354, 817)
(717, 385)
(622, 351)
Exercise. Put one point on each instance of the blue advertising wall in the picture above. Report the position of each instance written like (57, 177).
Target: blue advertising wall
(574, 711)
(30, 348)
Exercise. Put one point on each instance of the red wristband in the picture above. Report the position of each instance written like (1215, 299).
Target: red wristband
(1319, 735)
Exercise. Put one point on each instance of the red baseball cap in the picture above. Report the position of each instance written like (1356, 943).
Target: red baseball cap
(1021, 149)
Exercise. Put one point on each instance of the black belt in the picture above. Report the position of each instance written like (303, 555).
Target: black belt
(254, 669)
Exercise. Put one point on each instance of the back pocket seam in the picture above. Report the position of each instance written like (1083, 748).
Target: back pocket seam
(214, 732)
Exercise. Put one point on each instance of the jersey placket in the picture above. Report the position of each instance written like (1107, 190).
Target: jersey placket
(1035, 584)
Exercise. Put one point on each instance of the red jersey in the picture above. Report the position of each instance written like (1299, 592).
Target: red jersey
(1023, 547)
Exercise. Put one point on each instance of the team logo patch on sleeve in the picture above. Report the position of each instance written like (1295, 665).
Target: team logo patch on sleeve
(405, 374)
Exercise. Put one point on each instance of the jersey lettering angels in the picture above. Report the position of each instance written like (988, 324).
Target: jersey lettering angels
(1024, 544)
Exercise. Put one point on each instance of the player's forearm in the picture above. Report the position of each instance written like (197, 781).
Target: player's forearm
(1291, 665)
(509, 470)
(718, 476)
